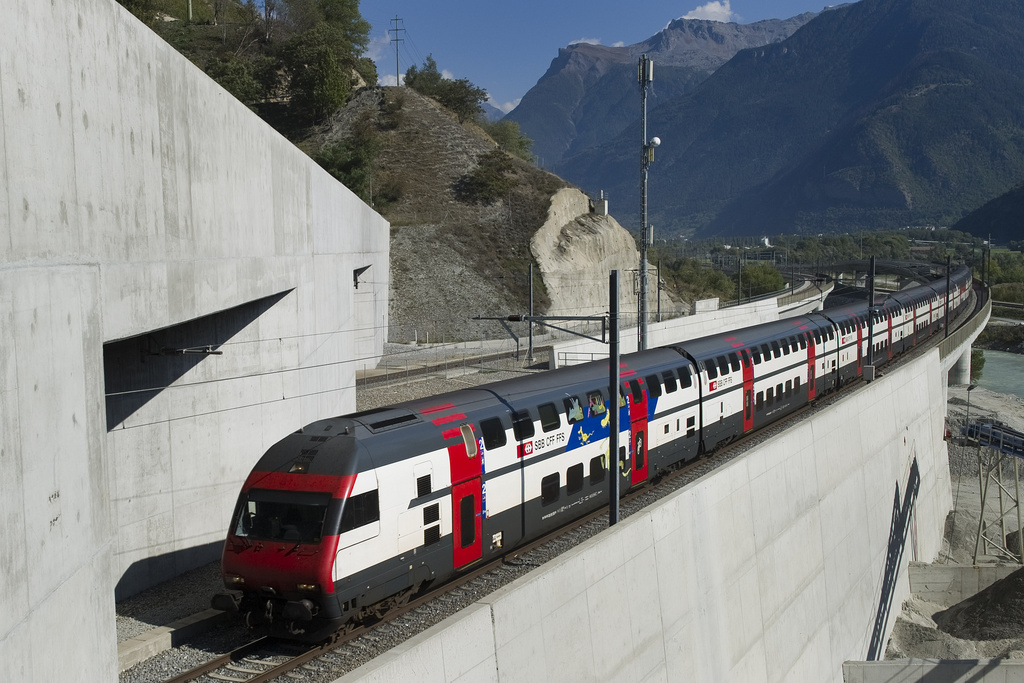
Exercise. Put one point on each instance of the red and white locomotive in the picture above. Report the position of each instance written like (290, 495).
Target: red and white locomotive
(349, 514)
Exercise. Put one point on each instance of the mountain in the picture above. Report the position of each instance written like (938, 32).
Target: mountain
(1002, 218)
(590, 92)
(882, 113)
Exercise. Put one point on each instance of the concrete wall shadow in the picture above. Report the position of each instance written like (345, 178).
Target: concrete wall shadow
(150, 571)
(137, 369)
(898, 532)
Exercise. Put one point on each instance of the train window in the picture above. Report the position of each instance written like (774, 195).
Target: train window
(711, 369)
(574, 479)
(803, 343)
(636, 391)
(467, 521)
(622, 396)
(423, 487)
(794, 344)
(522, 425)
(746, 357)
(766, 351)
(769, 396)
(785, 347)
(653, 385)
(291, 516)
(640, 453)
(817, 337)
(685, 381)
(596, 470)
(778, 390)
(789, 387)
(756, 353)
(494, 433)
(549, 419)
(670, 381)
(596, 402)
(360, 510)
(549, 486)
(723, 365)
(666, 429)
(759, 401)
(573, 409)
(734, 362)
(776, 351)
(796, 383)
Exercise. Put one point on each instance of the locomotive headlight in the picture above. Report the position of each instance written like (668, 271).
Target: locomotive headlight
(234, 579)
(309, 587)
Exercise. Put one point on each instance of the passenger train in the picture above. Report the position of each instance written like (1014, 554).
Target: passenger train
(352, 514)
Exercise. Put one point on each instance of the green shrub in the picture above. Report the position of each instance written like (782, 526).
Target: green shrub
(492, 179)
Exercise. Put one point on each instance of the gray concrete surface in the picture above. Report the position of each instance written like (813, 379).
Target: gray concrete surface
(772, 568)
(708, 319)
(142, 208)
(934, 671)
(947, 585)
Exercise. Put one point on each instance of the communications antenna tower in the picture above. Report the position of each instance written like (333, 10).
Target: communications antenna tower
(396, 40)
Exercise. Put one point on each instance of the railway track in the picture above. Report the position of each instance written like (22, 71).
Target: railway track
(267, 659)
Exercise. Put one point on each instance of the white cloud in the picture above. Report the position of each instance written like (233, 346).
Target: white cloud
(506, 107)
(379, 47)
(588, 41)
(619, 43)
(447, 75)
(716, 10)
(388, 79)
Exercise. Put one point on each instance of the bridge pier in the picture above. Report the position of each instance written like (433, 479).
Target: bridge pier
(960, 373)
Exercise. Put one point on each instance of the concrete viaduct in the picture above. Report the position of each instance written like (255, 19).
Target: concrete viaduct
(180, 287)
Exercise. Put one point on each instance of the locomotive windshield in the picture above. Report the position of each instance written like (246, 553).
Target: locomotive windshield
(289, 516)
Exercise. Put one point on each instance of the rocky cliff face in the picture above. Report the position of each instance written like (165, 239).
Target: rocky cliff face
(575, 251)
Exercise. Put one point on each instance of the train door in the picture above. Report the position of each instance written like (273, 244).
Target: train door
(812, 388)
(889, 339)
(638, 430)
(860, 341)
(467, 495)
(914, 319)
(748, 391)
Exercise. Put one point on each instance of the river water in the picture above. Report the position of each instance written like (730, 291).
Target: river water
(1003, 373)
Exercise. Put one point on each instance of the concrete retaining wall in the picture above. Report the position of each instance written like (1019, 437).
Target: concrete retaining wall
(708, 318)
(578, 350)
(772, 568)
(934, 671)
(948, 585)
(143, 208)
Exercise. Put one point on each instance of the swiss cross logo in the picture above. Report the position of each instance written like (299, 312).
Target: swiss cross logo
(713, 385)
(526, 449)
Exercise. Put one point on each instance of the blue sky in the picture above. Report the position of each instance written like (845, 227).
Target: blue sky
(505, 47)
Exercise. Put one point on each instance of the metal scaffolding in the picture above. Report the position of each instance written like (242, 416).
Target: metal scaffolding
(998, 445)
